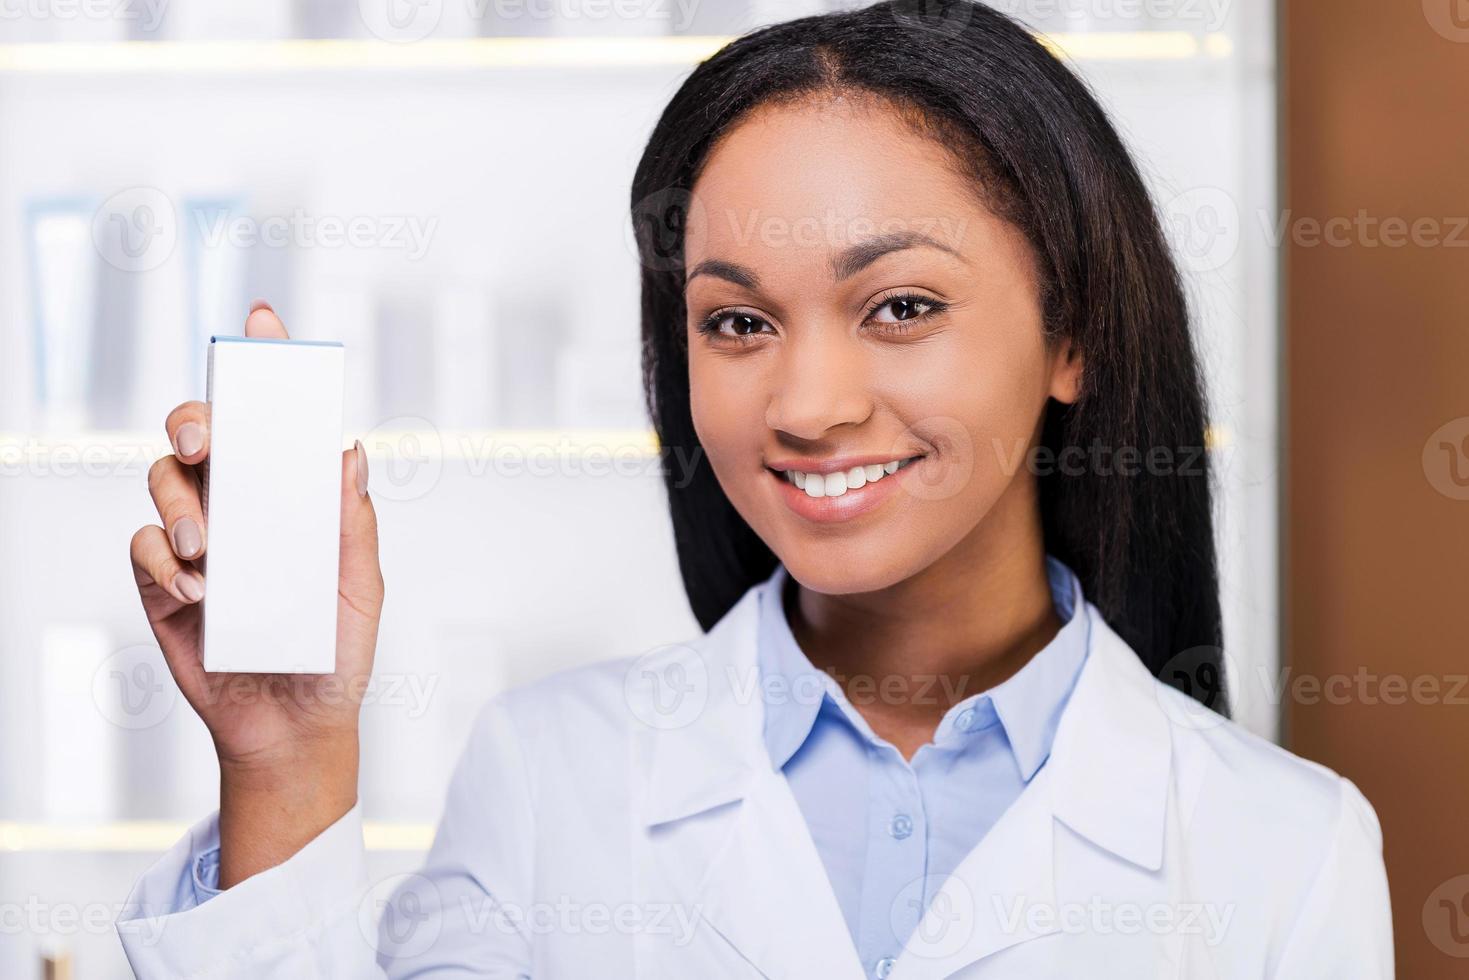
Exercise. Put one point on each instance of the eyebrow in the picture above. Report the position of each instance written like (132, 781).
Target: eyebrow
(848, 263)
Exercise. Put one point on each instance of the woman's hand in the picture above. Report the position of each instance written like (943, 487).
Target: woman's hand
(287, 743)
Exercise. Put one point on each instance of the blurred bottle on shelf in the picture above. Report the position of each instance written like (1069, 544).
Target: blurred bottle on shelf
(225, 20)
(465, 390)
(528, 339)
(56, 964)
(64, 277)
(78, 741)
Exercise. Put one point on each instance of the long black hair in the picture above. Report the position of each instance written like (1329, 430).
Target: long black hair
(1046, 158)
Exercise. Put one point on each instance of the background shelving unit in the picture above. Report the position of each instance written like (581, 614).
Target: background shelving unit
(513, 328)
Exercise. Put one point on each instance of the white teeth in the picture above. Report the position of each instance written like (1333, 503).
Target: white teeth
(836, 484)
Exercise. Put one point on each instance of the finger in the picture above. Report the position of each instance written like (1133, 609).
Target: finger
(188, 431)
(263, 322)
(361, 572)
(175, 494)
(155, 563)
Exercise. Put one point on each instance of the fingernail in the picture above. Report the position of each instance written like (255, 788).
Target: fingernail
(261, 304)
(189, 585)
(361, 469)
(186, 538)
(189, 439)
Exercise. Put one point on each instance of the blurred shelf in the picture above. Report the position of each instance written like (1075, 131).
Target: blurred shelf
(159, 835)
(462, 54)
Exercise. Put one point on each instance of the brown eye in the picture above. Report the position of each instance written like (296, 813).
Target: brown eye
(904, 311)
(905, 308)
(733, 324)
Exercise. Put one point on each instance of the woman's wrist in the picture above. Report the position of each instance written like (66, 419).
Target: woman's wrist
(270, 809)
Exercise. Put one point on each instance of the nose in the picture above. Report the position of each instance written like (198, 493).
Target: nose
(822, 382)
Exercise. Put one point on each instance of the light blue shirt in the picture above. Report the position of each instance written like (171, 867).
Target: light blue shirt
(890, 830)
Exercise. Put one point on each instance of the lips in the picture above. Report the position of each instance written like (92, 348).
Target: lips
(832, 490)
(834, 484)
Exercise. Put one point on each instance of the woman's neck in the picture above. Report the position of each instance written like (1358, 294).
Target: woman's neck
(907, 653)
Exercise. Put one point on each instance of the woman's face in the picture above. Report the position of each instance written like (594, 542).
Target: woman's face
(854, 306)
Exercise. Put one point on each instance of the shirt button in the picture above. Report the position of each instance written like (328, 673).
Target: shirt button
(884, 967)
(965, 721)
(901, 826)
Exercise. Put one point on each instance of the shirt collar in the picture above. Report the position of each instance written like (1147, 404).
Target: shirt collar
(1028, 704)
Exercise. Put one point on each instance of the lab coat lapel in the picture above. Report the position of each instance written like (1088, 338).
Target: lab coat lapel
(765, 889)
(1106, 780)
(983, 907)
(768, 893)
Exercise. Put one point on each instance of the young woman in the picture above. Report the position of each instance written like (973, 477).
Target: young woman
(907, 306)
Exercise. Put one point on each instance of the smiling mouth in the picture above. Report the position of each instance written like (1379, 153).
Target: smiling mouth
(838, 483)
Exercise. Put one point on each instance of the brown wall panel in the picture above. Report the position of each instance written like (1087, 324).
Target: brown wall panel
(1375, 125)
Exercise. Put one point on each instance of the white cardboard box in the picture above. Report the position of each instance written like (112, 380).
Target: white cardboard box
(272, 505)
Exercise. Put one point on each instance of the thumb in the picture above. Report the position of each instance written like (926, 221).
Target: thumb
(360, 574)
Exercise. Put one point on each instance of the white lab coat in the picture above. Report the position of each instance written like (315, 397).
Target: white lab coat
(624, 820)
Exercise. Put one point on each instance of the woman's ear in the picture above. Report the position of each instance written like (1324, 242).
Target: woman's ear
(1066, 369)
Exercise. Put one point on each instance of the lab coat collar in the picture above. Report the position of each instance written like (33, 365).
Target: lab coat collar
(1107, 780)
(1110, 757)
